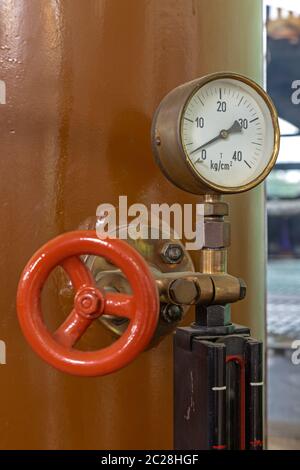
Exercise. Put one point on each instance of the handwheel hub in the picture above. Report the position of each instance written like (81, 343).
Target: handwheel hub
(89, 302)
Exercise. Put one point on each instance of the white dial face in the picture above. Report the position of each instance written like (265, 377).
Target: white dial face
(227, 133)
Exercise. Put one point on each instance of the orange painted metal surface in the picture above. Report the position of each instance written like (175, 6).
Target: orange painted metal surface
(141, 308)
(83, 79)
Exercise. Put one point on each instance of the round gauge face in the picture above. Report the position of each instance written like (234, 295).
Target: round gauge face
(227, 133)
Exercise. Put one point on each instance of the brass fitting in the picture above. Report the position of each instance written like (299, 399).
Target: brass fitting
(206, 289)
(212, 260)
(227, 288)
(216, 233)
(215, 208)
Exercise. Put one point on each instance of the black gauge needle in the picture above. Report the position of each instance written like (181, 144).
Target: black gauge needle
(223, 134)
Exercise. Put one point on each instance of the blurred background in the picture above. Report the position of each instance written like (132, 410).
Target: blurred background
(282, 70)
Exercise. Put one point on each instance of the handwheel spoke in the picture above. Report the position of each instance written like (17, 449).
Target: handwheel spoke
(120, 305)
(72, 329)
(78, 272)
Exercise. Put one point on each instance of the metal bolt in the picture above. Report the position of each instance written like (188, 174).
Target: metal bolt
(171, 313)
(172, 253)
(184, 291)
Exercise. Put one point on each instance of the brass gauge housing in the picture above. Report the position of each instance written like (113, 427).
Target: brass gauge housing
(219, 133)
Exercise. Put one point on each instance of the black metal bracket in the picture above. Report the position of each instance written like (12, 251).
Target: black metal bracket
(218, 388)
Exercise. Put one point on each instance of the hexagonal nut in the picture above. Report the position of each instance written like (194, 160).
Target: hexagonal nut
(171, 313)
(215, 209)
(184, 291)
(216, 234)
(213, 315)
(172, 253)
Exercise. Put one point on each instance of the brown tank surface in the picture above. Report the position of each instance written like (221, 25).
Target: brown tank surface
(83, 79)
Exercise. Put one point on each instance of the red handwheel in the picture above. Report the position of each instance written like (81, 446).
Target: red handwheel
(141, 308)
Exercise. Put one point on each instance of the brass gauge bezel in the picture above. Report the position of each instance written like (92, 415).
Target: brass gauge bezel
(170, 152)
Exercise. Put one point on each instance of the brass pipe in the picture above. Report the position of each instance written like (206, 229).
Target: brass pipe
(213, 260)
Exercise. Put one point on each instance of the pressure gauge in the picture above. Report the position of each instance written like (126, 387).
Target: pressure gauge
(219, 133)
